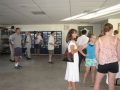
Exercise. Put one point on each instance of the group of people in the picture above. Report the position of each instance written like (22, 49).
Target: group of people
(102, 53)
(16, 42)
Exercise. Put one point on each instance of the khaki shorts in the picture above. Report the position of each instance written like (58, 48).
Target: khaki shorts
(51, 52)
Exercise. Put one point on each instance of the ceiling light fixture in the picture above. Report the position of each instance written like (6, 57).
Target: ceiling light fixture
(102, 12)
(73, 17)
(108, 15)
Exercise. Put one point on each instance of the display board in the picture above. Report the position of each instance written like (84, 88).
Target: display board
(32, 41)
(58, 38)
(44, 46)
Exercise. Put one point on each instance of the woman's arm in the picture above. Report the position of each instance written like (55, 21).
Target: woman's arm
(83, 53)
(118, 48)
(73, 50)
(79, 48)
(97, 50)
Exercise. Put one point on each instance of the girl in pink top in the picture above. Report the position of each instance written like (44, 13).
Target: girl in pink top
(107, 52)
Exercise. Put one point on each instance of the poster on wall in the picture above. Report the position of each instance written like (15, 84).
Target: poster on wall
(89, 30)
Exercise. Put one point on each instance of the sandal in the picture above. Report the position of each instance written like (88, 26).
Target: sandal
(83, 85)
(69, 88)
(92, 85)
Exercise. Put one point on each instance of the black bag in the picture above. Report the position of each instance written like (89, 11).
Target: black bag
(68, 56)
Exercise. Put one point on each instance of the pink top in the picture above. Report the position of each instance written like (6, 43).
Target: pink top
(107, 54)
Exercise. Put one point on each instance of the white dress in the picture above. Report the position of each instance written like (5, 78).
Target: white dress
(72, 70)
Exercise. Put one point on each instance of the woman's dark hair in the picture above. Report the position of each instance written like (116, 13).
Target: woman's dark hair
(115, 32)
(84, 32)
(52, 32)
(108, 27)
(69, 35)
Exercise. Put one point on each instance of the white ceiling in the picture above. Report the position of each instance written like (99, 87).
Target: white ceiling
(19, 11)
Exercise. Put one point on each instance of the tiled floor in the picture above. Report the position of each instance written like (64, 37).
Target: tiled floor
(37, 74)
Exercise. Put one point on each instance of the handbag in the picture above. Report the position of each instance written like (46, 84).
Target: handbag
(68, 56)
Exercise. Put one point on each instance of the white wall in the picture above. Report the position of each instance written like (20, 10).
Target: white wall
(58, 27)
(114, 22)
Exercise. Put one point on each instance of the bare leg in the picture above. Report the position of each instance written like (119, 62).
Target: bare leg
(86, 73)
(69, 85)
(111, 78)
(73, 86)
(93, 73)
(17, 59)
(99, 78)
(50, 58)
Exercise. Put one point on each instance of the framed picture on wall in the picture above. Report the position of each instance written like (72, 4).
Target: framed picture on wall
(89, 30)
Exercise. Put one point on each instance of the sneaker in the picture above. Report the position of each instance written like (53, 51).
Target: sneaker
(92, 85)
(83, 85)
(12, 60)
(28, 58)
(17, 67)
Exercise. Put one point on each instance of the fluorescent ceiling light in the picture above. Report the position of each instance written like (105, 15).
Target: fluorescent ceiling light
(108, 15)
(102, 12)
(73, 17)
(95, 14)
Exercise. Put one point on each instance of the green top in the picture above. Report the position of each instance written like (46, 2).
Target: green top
(100, 35)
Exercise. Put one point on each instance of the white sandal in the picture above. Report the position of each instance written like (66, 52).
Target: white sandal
(69, 88)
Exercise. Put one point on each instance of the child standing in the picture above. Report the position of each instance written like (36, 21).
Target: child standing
(90, 61)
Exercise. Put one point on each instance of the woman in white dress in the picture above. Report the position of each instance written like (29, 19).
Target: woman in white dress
(72, 71)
